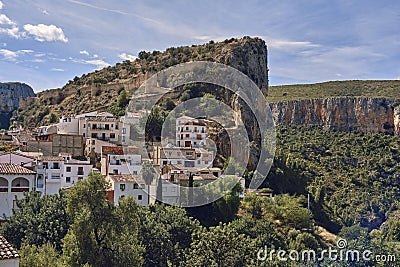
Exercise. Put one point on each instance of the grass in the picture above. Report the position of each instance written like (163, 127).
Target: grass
(365, 88)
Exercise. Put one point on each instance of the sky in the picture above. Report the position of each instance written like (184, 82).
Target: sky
(45, 43)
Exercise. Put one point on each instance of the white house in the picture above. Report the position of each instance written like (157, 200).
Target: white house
(18, 158)
(120, 160)
(14, 181)
(8, 256)
(96, 125)
(57, 172)
(185, 156)
(125, 185)
(190, 132)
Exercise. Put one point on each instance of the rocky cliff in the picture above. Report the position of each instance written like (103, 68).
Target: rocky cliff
(99, 90)
(344, 114)
(11, 94)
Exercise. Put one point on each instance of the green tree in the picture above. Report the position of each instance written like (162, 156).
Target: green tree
(148, 172)
(38, 221)
(101, 234)
(52, 118)
(39, 256)
(219, 246)
(166, 233)
(122, 100)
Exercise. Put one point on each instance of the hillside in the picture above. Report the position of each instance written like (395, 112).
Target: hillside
(100, 89)
(366, 88)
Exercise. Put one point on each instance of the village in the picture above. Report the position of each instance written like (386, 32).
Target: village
(56, 157)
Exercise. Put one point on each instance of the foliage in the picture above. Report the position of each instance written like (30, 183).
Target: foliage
(37, 221)
(101, 234)
(220, 246)
(362, 88)
(351, 177)
(39, 256)
(166, 233)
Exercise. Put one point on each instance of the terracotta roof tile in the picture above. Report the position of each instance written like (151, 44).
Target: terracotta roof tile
(6, 250)
(7, 168)
(126, 178)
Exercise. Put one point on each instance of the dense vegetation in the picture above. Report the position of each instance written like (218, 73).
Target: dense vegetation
(352, 179)
(387, 89)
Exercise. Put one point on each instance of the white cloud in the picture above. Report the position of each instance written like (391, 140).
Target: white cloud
(12, 32)
(48, 33)
(84, 52)
(4, 20)
(98, 63)
(287, 44)
(57, 70)
(1, 5)
(8, 54)
(13, 55)
(125, 56)
(95, 56)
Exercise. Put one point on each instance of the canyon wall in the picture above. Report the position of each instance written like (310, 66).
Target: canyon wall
(344, 114)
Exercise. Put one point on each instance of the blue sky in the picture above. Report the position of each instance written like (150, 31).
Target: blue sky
(45, 43)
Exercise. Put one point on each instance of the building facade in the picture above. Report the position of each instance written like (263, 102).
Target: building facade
(14, 181)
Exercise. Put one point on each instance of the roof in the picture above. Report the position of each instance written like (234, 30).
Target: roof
(6, 250)
(126, 178)
(18, 153)
(7, 168)
(103, 119)
(119, 150)
(200, 177)
(51, 158)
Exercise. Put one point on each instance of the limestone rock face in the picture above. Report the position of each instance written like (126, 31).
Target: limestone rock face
(344, 114)
(11, 93)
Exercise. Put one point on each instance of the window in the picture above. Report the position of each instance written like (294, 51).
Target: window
(83, 134)
(122, 196)
(56, 165)
(123, 138)
(67, 179)
(80, 170)
(134, 172)
(124, 130)
(139, 197)
(142, 186)
(68, 169)
(122, 187)
(93, 142)
(135, 186)
(112, 135)
(115, 171)
(187, 135)
(80, 178)
(206, 162)
(107, 126)
(116, 126)
(94, 126)
(189, 164)
(179, 162)
(84, 125)
(94, 135)
(187, 128)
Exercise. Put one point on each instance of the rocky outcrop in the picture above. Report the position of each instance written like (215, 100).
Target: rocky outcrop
(344, 114)
(11, 93)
